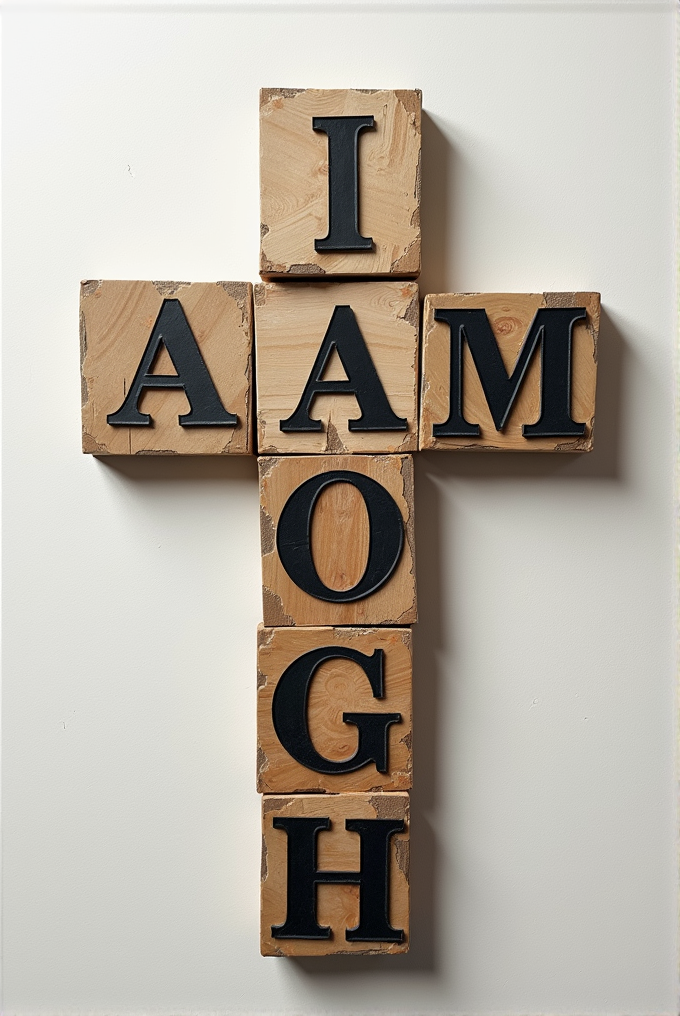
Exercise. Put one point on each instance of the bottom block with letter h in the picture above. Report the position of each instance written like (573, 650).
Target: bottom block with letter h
(335, 874)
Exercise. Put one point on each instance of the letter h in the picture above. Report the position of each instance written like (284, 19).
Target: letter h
(373, 879)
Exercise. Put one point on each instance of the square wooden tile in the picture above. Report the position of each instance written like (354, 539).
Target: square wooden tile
(295, 173)
(332, 685)
(209, 327)
(510, 316)
(341, 576)
(362, 333)
(307, 833)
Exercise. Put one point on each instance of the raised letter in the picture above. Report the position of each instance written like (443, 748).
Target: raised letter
(344, 335)
(386, 536)
(373, 879)
(172, 330)
(289, 712)
(551, 329)
(343, 182)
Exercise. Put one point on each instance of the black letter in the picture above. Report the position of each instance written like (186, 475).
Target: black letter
(343, 182)
(343, 333)
(551, 329)
(293, 536)
(289, 712)
(373, 879)
(173, 331)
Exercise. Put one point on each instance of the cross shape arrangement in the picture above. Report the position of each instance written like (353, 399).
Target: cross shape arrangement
(345, 391)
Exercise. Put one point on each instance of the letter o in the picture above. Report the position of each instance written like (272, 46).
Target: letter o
(386, 536)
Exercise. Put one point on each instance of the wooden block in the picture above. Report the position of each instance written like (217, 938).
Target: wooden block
(554, 408)
(300, 192)
(202, 332)
(320, 686)
(315, 522)
(367, 917)
(364, 334)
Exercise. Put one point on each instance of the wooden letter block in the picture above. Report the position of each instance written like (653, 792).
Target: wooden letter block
(509, 372)
(337, 367)
(339, 182)
(166, 368)
(337, 540)
(333, 710)
(335, 874)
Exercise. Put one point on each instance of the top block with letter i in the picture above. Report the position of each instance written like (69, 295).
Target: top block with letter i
(166, 367)
(339, 182)
(509, 371)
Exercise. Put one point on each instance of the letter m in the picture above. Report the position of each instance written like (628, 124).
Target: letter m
(551, 330)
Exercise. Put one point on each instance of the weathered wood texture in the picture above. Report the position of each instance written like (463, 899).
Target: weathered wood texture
(116, 322)
(338, 686)
(340, 542)
(510, 315)
(291, 320)
(337, 906)
(294, 182)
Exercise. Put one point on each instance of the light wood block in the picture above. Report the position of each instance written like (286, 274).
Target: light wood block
(292, 322)
(338, 849)
(510, 316)
(120, 320)
(338, 686)
(339, 540)
(294, 174)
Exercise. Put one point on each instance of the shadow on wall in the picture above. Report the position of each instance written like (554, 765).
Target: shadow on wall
(603, 464)
(437, 216)
(430, 638)
(180, 469)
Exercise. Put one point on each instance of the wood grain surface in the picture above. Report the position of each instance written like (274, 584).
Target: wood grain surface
(338, 549)
(116, 321)
(510, 315)
(338, 850)
(291, 321)
(338, 686)
(294, 182)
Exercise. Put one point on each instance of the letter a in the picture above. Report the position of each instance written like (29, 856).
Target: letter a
(172, 330)
(344, 335)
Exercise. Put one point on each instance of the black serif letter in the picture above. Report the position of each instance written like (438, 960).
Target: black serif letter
(551, 329)
(173, 331)
(343, 182)
(386, 536)
(344, 335)
(289, 712)
(373, 879)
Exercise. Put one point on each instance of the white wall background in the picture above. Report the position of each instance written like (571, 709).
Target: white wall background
(544, 835)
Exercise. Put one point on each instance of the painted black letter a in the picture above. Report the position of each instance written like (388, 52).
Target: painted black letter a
(344, 336)
(172, 330)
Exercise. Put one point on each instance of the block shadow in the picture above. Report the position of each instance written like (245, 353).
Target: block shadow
(152, 469)
(437, 214)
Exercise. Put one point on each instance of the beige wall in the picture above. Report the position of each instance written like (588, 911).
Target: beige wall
(543, 828)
